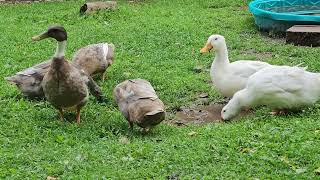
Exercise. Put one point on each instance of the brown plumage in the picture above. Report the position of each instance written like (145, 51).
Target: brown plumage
(65, 86)
(95, 58)
(139, 103)
(99, 5)
(29, 80)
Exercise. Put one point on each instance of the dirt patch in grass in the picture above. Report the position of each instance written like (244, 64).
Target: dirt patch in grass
(276, 37)
(203, 115)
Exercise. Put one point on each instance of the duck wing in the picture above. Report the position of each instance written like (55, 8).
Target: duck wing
(35, 72)
(289, 79)
(94, 89)
(245, 69)
(278, 79)
(29, 80)
(91, 58)
(142, 89)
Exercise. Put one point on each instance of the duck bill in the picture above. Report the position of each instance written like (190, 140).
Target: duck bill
(206, 48)
(40, 36)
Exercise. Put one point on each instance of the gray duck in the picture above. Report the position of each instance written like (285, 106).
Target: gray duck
(139, 103)
(95, 58)
(65, 85)
(29, 80)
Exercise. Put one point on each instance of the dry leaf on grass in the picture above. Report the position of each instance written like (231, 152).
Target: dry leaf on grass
(51, 178)
(192, 133)
(124, 140)
(203, 95)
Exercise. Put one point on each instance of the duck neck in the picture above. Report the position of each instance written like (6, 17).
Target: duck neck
(221, 57)
(244, 99)
(61, 46)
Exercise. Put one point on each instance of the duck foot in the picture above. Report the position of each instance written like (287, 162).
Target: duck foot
(279, 112)
(131, 126)
(78, 115)
(247, 110)
(104, 76)
(145, 130)
(61, 115)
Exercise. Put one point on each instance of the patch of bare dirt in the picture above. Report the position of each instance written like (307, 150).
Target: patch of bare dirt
(203, 115)
(276, 37)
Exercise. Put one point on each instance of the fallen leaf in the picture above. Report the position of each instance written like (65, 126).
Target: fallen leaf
(246, 150)
(51, 178)
(192, 133)
(300, 170)
(203, 95)
(127, 74)
(286, 160)
(124, 140)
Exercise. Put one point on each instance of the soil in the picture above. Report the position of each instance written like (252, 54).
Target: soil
(203, 115)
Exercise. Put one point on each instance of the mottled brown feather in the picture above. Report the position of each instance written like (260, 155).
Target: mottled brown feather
(92, 59)
(139, 103)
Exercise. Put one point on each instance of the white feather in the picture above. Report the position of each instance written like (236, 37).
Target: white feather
(278, 87)
(228, 78)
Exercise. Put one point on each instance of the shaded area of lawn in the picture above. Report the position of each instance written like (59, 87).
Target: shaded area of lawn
(158, 41)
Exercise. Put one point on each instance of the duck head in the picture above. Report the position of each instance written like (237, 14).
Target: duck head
(228, 112)
(215, 42)
(56, 32)
(234, 106)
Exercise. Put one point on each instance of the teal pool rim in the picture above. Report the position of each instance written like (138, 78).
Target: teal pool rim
(292, 17)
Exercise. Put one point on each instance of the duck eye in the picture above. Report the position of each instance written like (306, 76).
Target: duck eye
(224, 110)
(215, 39)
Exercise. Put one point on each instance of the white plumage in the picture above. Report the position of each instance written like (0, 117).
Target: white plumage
(228, 77)
(279, 87)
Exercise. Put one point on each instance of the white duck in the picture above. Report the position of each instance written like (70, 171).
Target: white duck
(279, 87)
(228, 77)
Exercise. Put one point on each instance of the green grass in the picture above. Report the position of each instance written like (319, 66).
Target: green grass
(158, 41)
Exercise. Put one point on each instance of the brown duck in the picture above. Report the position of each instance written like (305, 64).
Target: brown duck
(29, 80)
(65, 85)
(139, 103)
(95, 58)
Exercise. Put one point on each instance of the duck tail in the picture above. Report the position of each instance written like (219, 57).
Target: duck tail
(12, 79)
(302, 67)
(154, 112)
(111, 45)
(155, 117)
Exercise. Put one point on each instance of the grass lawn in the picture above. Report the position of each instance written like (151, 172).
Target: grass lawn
(158, 41)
